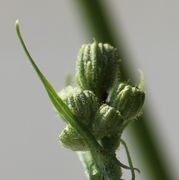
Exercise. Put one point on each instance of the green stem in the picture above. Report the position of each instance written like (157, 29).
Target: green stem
(99, 27)
(129, 159)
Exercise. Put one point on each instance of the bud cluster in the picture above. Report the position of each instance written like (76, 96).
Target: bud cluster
(101, 103)
(97, 111)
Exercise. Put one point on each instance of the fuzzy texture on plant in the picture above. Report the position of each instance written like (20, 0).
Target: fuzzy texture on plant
(96, 111)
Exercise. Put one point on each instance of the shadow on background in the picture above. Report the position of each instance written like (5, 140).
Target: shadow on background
(141, 132)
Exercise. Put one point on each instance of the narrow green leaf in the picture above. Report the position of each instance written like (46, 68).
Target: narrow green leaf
(61, 107)
(56, 100)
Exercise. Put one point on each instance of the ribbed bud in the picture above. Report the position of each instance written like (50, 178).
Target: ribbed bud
(83, 104)
(71, 139)
(97, 67)
(107, 122)
(128, 100)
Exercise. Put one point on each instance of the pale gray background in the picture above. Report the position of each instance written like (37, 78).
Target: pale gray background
(29, 128)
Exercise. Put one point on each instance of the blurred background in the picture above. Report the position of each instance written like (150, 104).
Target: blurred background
(54, 31)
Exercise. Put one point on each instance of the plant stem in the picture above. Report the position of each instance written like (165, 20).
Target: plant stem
(99, 26)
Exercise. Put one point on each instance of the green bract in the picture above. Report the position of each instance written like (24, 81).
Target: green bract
(97, 67)
(127, 99)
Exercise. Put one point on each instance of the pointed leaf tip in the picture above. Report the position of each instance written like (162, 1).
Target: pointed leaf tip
(61, 107)
(141, 83)
(17, 22)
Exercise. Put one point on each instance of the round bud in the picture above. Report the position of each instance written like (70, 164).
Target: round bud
(97, 67)
(71, 139)
(128, 100)
(83, 104)
(107, 122)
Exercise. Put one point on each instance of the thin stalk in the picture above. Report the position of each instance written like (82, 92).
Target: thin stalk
(129, 159)
(97, 23)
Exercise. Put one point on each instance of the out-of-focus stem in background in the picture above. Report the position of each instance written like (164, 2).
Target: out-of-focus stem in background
(98, 24)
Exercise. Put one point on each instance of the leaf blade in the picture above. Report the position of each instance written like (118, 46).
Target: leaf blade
(61, 107)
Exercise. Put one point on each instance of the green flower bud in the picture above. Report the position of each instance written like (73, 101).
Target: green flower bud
(128, 100)
(107, 121)
(71, 139)
(97, 67)
(83, 104)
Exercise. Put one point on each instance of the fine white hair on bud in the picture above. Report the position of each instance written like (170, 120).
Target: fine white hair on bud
(107, 121)
(97, 67)
(83, 103)
(127, 99)
(71, 139)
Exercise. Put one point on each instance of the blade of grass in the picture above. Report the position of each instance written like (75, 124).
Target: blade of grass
(97, 23)
(61, 107)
